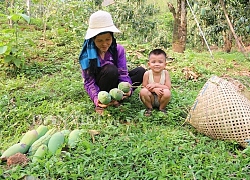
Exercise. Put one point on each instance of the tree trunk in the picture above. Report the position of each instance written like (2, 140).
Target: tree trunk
(28, 7)
(232, 29)
(10, 4)
(227, 38)
(180, 26)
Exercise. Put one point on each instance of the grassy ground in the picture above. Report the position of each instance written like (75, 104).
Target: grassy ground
(128, 145)
(123, 143)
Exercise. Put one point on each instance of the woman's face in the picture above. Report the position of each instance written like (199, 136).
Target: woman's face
(103, 42)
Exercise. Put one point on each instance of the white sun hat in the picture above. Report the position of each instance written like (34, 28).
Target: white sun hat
(100, 21)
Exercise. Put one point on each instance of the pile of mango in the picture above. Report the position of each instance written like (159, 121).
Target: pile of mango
(37, 142)
(116, 93)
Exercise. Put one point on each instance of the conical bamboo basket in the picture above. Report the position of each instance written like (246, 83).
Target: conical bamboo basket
(222, 111)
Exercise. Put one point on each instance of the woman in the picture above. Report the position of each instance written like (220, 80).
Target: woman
(103, 61)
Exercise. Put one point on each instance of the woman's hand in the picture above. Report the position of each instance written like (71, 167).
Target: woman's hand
(102, 105)
(126, 95)
(113, 102)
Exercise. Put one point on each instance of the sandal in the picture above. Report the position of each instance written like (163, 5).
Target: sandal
(148, 112)
(163, 111)
(99, 110)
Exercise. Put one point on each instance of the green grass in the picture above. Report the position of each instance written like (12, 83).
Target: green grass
(129, 145)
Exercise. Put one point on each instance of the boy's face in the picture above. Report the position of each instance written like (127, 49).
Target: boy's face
(103, 42)
(157, 63)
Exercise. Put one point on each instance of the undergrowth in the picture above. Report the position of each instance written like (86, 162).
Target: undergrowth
(130, 145)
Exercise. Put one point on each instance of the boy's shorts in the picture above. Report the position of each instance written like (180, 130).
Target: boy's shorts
(156, 102)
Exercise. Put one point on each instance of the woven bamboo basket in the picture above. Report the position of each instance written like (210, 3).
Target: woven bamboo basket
(222, 111)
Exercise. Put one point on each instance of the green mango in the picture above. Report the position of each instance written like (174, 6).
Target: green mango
(73, 138)
(12, 150)
(116, 94)
(104, 97)
(55, 142)
(40, 152)
(41, 130)
(29, 137)
(124, 86)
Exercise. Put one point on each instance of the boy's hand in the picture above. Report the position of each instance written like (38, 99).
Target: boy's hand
(150, 87)
(159, 91)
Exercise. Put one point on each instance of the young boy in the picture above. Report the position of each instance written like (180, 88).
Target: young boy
(156, 83)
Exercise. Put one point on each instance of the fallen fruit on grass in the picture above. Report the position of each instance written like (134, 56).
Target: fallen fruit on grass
(42, 140)
(16, 148)
(41, 130)
(55, 142)
(66, 132)
(29, 137)
(73, 138)
(40, 152)
(104, 97)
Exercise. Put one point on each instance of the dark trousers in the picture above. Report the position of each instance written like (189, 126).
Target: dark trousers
(107, 78)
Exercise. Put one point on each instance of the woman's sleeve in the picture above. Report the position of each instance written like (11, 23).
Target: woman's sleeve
(90, 86)
(122, 65)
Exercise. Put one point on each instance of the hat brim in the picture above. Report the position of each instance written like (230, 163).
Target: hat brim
(93, 32)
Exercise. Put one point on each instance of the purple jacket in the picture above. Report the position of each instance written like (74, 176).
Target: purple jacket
(89, 82)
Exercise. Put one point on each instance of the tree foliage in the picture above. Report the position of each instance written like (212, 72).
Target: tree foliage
(213, 22)
(65, 22)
